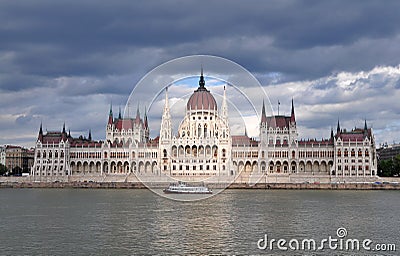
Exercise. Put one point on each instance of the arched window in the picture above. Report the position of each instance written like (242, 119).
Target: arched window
(199, 131)
(165, 153)
(205, 130)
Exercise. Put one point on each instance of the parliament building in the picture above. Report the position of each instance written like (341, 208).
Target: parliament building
(203, 146)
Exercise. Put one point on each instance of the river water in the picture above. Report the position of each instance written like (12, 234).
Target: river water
(139, 222)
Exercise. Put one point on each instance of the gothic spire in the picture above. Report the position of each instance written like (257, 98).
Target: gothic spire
(263, 115)
(145, 119)
(110, 115)
(338, 127)
(365, 125)
(90, 134)
(63, 131)
(40, 137)
(292, 116)
(119, 114)
(224, 107)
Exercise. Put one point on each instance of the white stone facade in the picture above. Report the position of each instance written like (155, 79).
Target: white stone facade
(203, 147)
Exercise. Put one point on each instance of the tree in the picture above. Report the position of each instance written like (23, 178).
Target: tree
(389, 167)
(3, 169)
(396, 166)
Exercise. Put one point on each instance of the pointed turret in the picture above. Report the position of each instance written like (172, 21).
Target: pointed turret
(40, 137)
(224, 107)
(166, 129)
(63, 134)
(90, 135)
(331, 133)
(365, 128)
(119, 114)
(292, 116)
(146, 125)
(263, 115)
(338, 127)
(110, 115)
(69, 133)
(137, 118)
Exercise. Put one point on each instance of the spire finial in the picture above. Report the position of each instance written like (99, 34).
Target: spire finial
(119, 114)
(63, 131)
(338, 126)
(40, 129)
(201, 81)
(111, 112)
(90, 134)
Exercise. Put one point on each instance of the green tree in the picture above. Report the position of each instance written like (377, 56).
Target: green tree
(396, 166)
(385, 168)
(3, 169)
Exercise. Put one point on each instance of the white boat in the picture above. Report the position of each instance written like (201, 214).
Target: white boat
(183, 188)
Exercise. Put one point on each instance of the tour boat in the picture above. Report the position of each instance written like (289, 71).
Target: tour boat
(183, 188)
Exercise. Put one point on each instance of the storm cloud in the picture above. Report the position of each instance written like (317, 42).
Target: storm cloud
(66, 61)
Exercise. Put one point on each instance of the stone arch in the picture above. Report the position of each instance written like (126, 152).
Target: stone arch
(154, 168)
(293, 167)
(254, 166)
(308, 167)
(113, 167)
(119, 167)
(201, 151)
(105, 167)
(315, 167)
(91, 167)
(126, 167)
(271, 166)
(147, 167)
(133, 167)
(187, 150)
(73, 167)
(174, 151)
(194, 151)
(85, 167)
(141, 167)
(97, 167)
(278, 166)
(285, 167)
(302, 166)
(263, 167)
(215, 151)
(323, 166)
(208, 151)
(181, 151)
(240, 166)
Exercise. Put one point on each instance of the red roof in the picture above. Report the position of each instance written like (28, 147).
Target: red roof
(278, 121)
(201, 99)
(243, 140)
(355, 135)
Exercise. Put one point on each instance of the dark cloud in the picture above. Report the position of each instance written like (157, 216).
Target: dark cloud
(67, 56)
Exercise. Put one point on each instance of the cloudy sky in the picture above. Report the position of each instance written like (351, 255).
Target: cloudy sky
(66, 61)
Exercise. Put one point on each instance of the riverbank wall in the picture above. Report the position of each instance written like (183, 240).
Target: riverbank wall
(159, 185)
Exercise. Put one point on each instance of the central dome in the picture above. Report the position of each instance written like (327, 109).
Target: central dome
(201, 99)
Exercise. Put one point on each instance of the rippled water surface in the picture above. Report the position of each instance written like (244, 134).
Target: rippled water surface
(138, 222)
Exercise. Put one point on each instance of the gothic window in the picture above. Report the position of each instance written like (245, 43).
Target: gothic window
(223, 153)
(199, 131)
(346, 153)
(165, 153)
(339, 153)
(205, 130)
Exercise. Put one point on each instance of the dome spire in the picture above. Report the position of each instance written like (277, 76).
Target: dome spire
(202, 83)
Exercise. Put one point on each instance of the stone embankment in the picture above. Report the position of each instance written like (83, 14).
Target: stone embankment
(260, 185)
